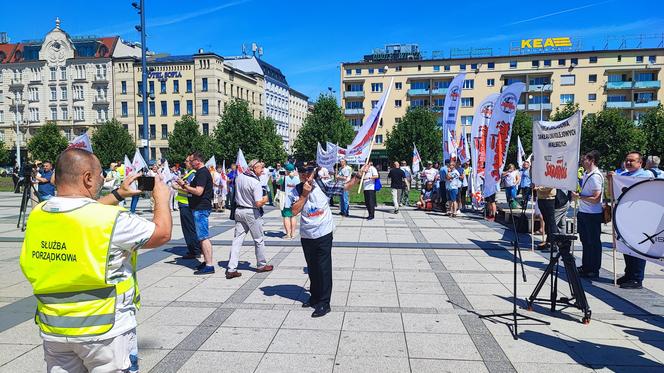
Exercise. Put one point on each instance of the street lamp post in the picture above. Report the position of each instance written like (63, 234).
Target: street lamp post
(18, 132)
(140, 7)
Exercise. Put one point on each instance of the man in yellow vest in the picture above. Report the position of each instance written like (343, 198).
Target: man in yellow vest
(79, 254)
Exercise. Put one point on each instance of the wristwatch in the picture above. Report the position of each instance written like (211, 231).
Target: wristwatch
(117, 195)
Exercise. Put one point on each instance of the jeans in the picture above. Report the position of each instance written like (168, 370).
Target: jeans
(344, 203)
(318, 254)
(510, 193)
(189, 229)
(590, 228)
(134, 204)
(634, 268)
(370, 202)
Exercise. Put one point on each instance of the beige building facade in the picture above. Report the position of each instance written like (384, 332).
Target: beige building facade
(629, 80)
(199, 85)
(298, 109)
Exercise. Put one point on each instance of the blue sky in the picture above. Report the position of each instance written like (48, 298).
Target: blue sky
(308, 39)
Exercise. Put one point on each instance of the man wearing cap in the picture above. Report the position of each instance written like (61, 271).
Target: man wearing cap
(250, 197)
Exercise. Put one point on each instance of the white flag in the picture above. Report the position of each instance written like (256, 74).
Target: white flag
(129, 167)
(211, 164)
(165, 172)
(325, 158)
(556, 147)
(240, 162)
(498, 137)
(450, 109)
(81, 142)
(359, 149)
(520, 153)
(416, 160)
(138, 163)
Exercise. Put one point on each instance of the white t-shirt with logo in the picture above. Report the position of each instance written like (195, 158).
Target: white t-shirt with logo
(369, 183)
(430, 174)
(131, 232)
(591, 183)
(316, 218)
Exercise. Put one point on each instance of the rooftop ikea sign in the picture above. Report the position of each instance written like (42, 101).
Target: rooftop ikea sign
(542, 43)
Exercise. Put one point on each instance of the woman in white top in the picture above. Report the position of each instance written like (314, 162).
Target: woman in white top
(511, 178)
(288, 182)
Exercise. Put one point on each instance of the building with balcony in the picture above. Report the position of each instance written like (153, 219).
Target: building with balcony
(59, 78)
(298, 109)
(626, 79)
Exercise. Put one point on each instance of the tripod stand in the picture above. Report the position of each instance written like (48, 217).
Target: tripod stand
(515, 315)
(25, 198)
(578, 296)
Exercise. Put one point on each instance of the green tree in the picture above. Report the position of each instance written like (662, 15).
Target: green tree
(567, 111)
(522, 127)
(612, 134)
(186, 138)
(325, 123)
(419, 127)
(111, 142)
(652, 126)
(47, 143)
(238, 129)
(4, 153)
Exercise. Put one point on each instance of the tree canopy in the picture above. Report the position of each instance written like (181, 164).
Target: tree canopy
(419, 127)
(325, 123)
(47, 143)
(111, 142)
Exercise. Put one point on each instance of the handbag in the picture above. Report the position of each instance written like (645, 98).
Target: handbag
(607, 213)
(280, 197)
(377, 184)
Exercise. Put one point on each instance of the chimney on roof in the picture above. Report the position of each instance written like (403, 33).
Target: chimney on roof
(3, 38)
(200, 50)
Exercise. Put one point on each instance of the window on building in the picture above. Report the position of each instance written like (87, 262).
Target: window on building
(381, 70)
(371, 71)
(462, 66)
(513, 64)
(205, 107)
(204, 85)
(164, 108)
(616, 98)
(644, 96)
(141, 134)
(206, 129)
(547, 62)
(615, 78)
(473, 66)
(54, 113)
(592, 96)
(151, 110)
(398, 68)
(419, 85)
(124, 109)
(592, 78)
(467, 101)
(376, 87)
(398, 85)
(466, 120)
(645, 77)
(539, 99)
(639, 59)
(574, 61)
(397, 103)
(469, 84)
(436, 68)
(619, 58)
(447, 67)
(419, 67)
(438, 102)
(189, 86)
(153, 131)
(140, 108)
(567, 98)
(176, 86)
(561, 62)
(379, 139)
(349, 71)
(567, 79)
(63, 92)
(64, 110)
(140, 87)
(151, 87)
(374, 103)
(164, 131)
(54, 73)
(190, 107)
(358, 71)
(535, 63)
(123, 87)
(419, 102)
(176, 107)
(490, 82)
(440, 84)
(491, 65)
(592, 59)
(652, 59)
(162, 86)
(539, 80)
(54, 93)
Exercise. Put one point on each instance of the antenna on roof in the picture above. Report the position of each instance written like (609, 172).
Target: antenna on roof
(254, 48)
(244, 49)
(260, 51)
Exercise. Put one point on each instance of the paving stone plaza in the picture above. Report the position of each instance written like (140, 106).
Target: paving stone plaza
(408, 290)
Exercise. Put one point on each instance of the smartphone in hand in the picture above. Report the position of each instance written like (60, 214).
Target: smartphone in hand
(145, 183)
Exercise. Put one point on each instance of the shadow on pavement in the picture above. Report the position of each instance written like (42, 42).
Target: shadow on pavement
(288, 291)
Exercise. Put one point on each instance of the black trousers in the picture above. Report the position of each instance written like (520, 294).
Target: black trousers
(189, 229)
(370, 201)
(548, 209)
(318, 254)
(590, 228)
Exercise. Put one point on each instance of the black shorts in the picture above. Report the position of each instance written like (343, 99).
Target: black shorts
(490, 199)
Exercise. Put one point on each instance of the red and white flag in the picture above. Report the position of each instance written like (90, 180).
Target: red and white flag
(450, 109)
(129, 167)
(451, 145)
(223, 170)
(464, 151)
(81, 142)
(359, 149)
(416, 160)
(138, 164)
(240, 162)
(478, 132)
(211, 164)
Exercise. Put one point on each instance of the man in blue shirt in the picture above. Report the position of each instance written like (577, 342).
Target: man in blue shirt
(45, 180)
(634, 267)
(526, 183)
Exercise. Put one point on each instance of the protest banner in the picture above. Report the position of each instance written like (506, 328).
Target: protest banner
(556, 152)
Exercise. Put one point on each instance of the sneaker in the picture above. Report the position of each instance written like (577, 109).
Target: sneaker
(631, 284)
(207, 270)
(234, 274)
(201, 266)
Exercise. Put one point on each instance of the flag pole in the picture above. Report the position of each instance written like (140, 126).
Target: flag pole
(613, 233)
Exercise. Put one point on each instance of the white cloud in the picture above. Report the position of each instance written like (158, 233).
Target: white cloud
(557, 13)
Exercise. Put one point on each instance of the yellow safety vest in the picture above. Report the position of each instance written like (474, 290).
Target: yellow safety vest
(181, 197)
(65, 258)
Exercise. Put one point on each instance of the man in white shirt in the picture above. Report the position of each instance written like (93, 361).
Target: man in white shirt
(369, 187)
(344, 175)
(265, 177)
(405, 199)
(311, 200)
(79, 184)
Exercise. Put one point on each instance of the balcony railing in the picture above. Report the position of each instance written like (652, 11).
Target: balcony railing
(540, 87)
(619, 104)
(350, 94)
(359, 111)
(100, 79)
(634, 84)
(101, 100)
(419, 92)
(545, 106)
(16, 82)
(439, 91)
(521, 106)
(647, 84)
(646, 104)
(619, 85)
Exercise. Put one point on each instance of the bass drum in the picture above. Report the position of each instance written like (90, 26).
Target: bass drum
(639, 218)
